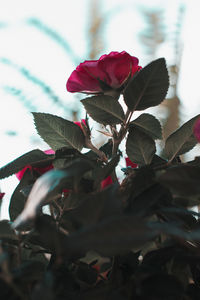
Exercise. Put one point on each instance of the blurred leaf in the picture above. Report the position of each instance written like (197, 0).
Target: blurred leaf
(186, 202)
(58, 132)
(86, 274)
(149, 125)
(34, 156)
(182, 180)
(112, 236)
(30, 271)
(18, 199)
(104, 109)
(93, 208)
(149, 87)
(6, 232)
(147, 202)
(162, 286)
(142, 179)
(47, 188)
(181, 141)
(140, 147)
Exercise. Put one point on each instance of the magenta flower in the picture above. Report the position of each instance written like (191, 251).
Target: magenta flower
(197, 129)
(111, 71)
(1, 195)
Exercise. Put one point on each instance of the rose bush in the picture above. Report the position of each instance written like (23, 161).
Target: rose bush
(110, 71)
(105, 238)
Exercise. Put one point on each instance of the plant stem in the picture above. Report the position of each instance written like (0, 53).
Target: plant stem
(100, 153)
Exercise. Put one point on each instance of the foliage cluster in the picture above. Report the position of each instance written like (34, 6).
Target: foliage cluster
(138, 238)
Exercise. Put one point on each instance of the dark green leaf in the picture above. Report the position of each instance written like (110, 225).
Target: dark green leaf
(104, 109)
(142, 180)
(58, 132)
(112, 236)
(93, 208)
(140, 147)
(149, 125)
(149, 87)
(6, 232)
(181, 141)
(162, 286)
(86, 274)
(146, 203)
(18, 199)
(30, 271)
(182, 180)
(34, 156)
(186, 202)
(100, 173)
(106, 148)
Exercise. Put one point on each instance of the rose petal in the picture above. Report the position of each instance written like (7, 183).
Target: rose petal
(1, 195)
(197, 130)
(106, 182)
(129, 163)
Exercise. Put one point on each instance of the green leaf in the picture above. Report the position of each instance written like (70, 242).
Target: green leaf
(181, 141)
(140, 147)
(149, 125)
(58, 132)
(149, 87)
(111, 236)
(93, 208)
(29, 158)
(100, 173)
(104, 109)
(182, 180)
(146, 203)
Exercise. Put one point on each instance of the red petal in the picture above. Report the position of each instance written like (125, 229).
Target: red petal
(1, 195)
(197, 130)
(106, 182)
(129, 163)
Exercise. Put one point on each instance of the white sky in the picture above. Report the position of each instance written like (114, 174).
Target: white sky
(27, 47)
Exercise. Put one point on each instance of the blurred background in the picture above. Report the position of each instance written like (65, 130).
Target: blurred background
(43, 41)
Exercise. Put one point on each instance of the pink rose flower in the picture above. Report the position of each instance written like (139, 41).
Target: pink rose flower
(197, 130)
(111, 70)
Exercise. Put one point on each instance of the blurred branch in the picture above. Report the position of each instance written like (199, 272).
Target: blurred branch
(21, 96)
(47, 90)
(95, 29)
(55, 36)
(152, 38)
(154, 35)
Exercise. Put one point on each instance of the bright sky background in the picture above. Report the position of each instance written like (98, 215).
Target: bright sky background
(24, 46)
